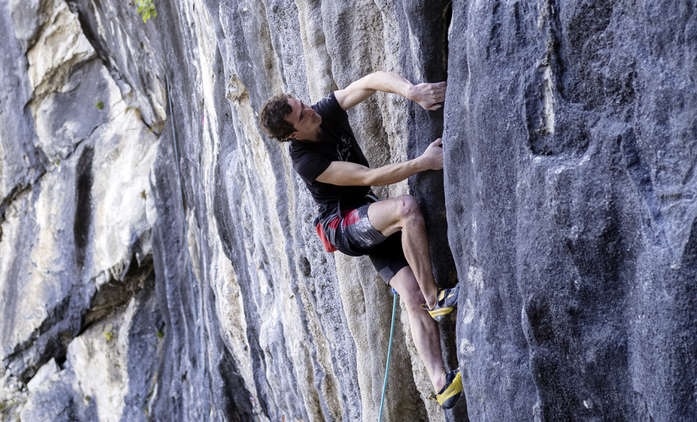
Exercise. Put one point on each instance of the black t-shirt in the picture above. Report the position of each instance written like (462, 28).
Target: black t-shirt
(336, 143)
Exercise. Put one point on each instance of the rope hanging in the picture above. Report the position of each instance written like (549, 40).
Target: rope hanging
(389, 352)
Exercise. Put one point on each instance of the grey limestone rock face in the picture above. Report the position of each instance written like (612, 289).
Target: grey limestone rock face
(157, 259)
(571, 207)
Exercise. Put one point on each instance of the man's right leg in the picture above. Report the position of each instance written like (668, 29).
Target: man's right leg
(402, 213)
(423, 328)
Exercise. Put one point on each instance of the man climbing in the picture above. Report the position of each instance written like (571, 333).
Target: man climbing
(391, 232)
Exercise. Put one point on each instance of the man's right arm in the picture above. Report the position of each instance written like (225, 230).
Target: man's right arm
(344, 173)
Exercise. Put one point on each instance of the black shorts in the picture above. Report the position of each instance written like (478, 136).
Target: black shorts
(352, 234)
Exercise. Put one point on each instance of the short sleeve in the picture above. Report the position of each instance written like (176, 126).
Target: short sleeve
(329, 107)
(309, 164)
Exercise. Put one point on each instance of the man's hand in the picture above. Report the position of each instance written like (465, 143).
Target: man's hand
(428, 95)
(432, 158)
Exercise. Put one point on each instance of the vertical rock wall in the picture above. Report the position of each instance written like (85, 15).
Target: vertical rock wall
(210, 299)
(571, 132)
(157, 259)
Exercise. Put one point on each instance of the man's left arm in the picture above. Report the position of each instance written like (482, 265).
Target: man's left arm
(430, 96)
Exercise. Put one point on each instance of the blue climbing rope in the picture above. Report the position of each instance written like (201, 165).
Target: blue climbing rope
(389, 351)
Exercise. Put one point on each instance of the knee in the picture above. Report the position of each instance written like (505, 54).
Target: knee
(408, 209)
(413, 299)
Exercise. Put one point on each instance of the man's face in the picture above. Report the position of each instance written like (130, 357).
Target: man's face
(304, 119)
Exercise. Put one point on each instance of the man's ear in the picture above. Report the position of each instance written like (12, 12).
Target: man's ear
(294, 134)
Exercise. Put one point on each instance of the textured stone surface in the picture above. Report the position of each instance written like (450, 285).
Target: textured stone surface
(157, 259)
(570, 151)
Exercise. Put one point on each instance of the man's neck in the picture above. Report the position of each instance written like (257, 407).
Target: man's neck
(309, 137)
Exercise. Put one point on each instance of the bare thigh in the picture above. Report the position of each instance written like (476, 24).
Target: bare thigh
(387, 216)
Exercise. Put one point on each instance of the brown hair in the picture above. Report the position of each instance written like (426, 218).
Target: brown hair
(272, 117)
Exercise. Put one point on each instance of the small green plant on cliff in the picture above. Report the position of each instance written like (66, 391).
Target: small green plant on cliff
(108, 335)
(146, 8)
(6, 406)
(99, 105)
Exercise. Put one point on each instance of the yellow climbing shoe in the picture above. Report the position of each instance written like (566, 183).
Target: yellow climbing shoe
(451, 391)
(446, 302)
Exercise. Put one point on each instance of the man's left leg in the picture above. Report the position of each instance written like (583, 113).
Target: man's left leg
(423, 328)
(403, 214)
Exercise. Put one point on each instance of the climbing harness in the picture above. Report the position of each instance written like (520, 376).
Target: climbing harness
(389, 351)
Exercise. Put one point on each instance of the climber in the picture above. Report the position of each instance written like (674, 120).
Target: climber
(391, 232)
